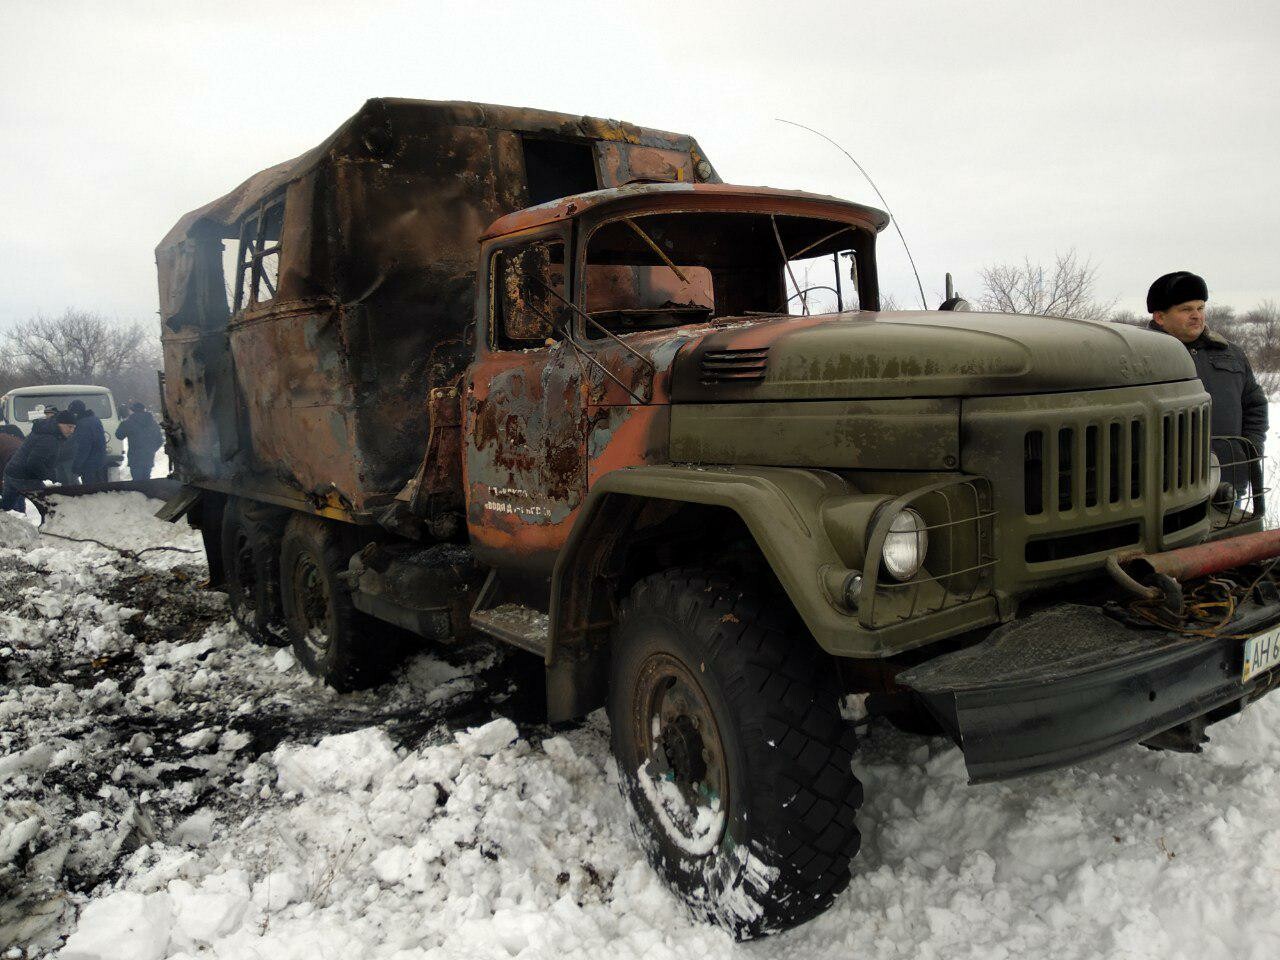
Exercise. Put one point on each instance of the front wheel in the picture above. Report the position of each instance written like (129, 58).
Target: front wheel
(732, 751)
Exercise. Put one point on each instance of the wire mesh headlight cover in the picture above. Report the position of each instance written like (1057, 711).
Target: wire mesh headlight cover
(1238, 491)
(927, 551)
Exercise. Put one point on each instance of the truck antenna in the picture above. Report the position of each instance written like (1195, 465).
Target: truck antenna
(910, 258)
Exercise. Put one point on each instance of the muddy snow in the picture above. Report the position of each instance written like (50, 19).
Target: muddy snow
(170, 790)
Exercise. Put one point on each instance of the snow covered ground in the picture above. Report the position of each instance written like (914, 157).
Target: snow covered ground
(167, 789)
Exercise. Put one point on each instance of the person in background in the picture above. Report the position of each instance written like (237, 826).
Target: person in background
(89, 445)
(144, 437)
(9, 445)
(12, 430)
(62, 474)
(1176, 302)
(34, 462)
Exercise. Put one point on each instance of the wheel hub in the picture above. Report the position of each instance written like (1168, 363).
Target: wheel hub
(313, 597)
(681, 745)
(683, 749)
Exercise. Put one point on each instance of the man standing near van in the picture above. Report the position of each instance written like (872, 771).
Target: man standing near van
(1176, 302)
(89, 445)
(144, 437)
(34, 462)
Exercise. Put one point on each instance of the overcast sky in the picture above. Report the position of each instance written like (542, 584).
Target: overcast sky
(1144, 135)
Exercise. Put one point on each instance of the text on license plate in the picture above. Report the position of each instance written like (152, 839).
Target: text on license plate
(1260, 653)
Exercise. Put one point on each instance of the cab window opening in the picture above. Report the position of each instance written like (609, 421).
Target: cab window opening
(527, 290)
(656, 271)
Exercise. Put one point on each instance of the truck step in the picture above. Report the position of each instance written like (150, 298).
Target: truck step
(522, 627)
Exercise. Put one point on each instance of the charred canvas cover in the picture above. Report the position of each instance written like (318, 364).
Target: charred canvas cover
(307, 315)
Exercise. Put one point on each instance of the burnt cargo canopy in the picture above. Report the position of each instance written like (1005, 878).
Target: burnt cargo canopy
(307, 315)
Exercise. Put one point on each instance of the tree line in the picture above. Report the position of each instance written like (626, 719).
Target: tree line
(1068, 288)
(85, 347)
(80, 346)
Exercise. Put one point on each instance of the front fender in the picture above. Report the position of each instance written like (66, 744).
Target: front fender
(789, 514)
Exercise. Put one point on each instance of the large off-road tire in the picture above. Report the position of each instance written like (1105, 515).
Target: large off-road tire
(732, 751)
(251, 565)
(331, 639)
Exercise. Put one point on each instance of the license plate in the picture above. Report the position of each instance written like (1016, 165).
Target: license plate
(1261, 653)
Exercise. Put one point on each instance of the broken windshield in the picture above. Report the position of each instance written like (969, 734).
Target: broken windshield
(662, 270)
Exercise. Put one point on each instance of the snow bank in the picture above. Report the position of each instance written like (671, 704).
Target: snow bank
(123, 926)
(222, 807)
(344, 763)
(124, 520)
(136, 726)
(488, 847)
(16, 533)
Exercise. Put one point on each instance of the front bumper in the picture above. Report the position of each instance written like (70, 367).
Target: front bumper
(1071, 683)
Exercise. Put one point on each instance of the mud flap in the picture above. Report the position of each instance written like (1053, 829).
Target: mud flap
(178, 503)
(1071, 683)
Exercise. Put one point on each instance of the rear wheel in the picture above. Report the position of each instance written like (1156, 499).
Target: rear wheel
(251, 570)
(331, 639)
(732, 751)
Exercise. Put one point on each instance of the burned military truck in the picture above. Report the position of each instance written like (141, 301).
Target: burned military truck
(466, 368)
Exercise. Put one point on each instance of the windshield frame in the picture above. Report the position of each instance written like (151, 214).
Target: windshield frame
(835, 212)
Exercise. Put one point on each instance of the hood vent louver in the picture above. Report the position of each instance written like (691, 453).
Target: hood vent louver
(734, 366)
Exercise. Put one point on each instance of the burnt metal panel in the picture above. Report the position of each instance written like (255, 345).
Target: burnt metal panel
(319, 395)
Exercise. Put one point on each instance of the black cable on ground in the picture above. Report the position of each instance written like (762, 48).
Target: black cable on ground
(132, 554)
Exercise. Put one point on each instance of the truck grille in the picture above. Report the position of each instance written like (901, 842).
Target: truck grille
(734, 366)
(1185, 448)
(1085, 465)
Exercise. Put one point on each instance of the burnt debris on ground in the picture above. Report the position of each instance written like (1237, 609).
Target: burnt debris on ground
(133, 712)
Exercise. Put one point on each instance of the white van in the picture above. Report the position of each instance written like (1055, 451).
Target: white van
(22, 405)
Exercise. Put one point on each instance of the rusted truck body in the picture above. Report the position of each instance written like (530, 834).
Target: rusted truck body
(300, 369)
(471, 368)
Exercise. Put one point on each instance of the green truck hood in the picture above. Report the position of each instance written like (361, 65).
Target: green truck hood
(919, 354)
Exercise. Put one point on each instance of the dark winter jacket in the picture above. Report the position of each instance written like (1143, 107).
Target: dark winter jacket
(9, 445)
(89, 445)
(1239, 405)
(142, 433)
(36, 457)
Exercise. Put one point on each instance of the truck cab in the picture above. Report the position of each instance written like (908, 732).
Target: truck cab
(662, 331)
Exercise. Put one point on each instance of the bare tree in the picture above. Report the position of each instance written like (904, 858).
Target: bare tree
(1258, 332)
(83, 347)
(1065, 289)
(1129, 317)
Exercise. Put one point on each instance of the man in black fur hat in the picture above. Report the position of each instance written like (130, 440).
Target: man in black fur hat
(1176, 303)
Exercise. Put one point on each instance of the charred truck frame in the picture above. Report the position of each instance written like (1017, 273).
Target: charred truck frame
(474, 368)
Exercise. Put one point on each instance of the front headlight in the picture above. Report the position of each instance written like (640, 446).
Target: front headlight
(905, 545)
